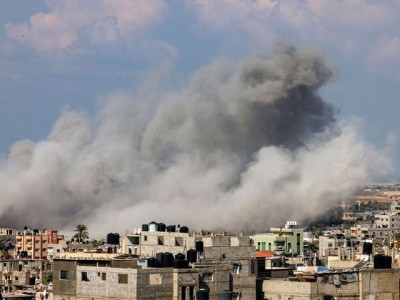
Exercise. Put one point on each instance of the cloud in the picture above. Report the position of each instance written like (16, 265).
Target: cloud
(241, 147)
(69, 24)
(384, 55)
(343, 23)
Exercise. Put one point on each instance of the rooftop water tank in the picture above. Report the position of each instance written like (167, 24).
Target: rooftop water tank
(153, 227)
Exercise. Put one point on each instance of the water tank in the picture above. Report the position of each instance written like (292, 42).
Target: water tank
(168, 260)
(184, 229)
(180, 256)
(152, 262)
(145, 227)
(180, 264)
(113, 238)
(225, 295)
(191, 255)
(171, 228)
(387, 261)
(367, 248)
(161, 227)
(165, 260)
(202, 294)
(382, 262)
(199, 246)
(153, 226)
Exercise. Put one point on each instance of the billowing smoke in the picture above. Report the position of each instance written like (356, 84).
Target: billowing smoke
(241, 148)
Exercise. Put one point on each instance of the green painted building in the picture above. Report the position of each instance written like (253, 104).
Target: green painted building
(283, 239)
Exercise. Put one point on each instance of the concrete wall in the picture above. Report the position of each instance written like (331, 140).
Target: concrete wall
(371, 284)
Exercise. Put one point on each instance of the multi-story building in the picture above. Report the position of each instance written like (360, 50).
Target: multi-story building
(127, 279)
(32, 244)
(286, 239)
(15, 273)
(7, 231)
(388, 220)
(148, 242)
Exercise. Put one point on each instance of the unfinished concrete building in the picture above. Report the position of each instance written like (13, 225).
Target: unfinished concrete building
(130, 279)
(354, 284)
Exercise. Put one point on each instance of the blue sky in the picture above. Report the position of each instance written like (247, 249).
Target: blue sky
(57, 55)
(102, 118)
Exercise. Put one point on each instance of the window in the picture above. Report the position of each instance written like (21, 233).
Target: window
(123, 278)
(236, 269)
(145, 238)
(207, 277)
(178, 241)
(64, 275)
(16, 278)
(103, 276)
(84, 276)
(161, 240)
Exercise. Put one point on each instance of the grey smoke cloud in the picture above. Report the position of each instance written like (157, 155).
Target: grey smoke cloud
(242, 147)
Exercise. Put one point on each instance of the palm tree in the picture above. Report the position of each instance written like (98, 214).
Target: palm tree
(315, 232)
(81, 232)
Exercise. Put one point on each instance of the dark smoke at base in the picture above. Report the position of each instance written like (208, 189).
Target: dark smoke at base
(242, 148)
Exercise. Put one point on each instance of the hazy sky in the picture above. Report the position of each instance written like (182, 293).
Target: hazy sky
(58, 54)
(61, 56)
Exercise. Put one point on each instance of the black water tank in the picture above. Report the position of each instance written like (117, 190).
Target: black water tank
(199, 246)
(171, 228)
(382, 262)
(152, 262)
(388, 261)
(168, 260)
(191, 255)
(225, 295)
(367, 248)
(184, 229)
(165, 260)
(179, 264)
(160, 257)
(180, 256)
(145, 227)
(113, 238)
(202, 294)
(161, 227)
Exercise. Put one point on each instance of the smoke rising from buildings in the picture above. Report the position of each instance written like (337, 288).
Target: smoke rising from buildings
(242, 147)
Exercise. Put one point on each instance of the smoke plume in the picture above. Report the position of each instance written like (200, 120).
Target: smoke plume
(241, 148)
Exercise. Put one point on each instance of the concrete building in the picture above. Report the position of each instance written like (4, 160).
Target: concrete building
(24, 272)
(33, 243)
(388, 220)
(148, 243)
(126, 279)
(8, 231)
(287, 239)
(216, 249)
(362, 284)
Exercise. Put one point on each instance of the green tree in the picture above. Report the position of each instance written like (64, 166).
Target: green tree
(82, 232)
